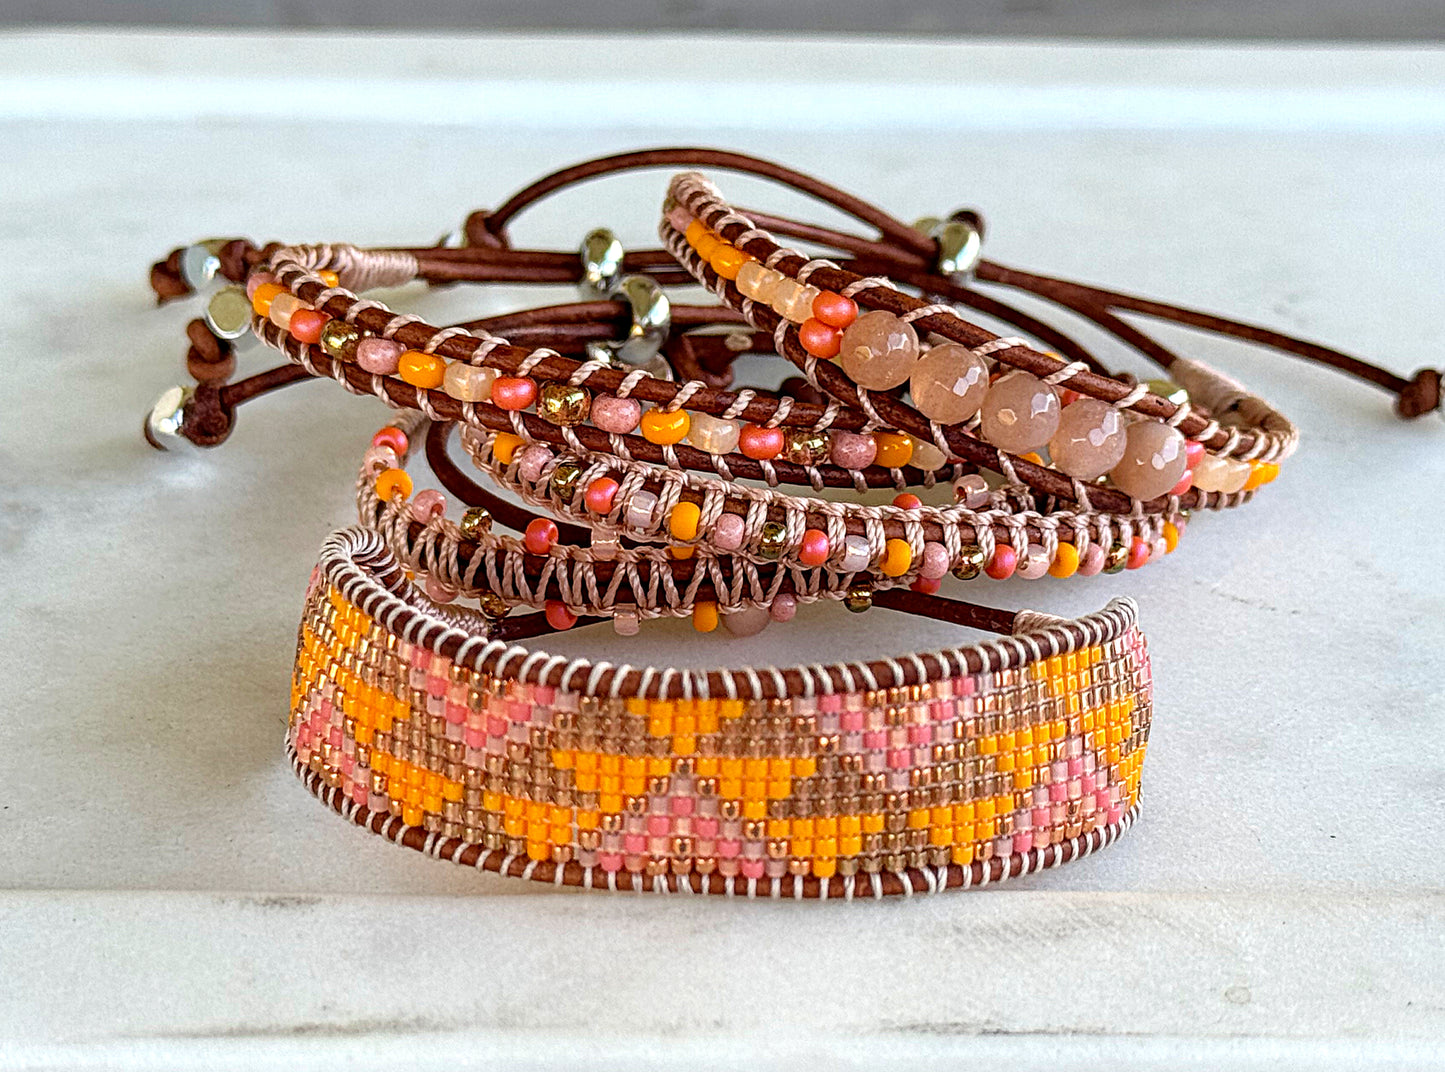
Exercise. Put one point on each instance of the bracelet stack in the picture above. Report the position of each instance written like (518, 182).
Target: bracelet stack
(651, 485)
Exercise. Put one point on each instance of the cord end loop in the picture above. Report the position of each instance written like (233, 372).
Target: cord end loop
(1420, 396)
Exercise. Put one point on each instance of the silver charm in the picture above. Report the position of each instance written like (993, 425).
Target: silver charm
(601, 255)
(228, 313)
(167, 418)
(651, 323)
(960, 243)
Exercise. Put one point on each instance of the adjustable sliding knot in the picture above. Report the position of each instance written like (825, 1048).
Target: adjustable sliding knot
(1420, 396)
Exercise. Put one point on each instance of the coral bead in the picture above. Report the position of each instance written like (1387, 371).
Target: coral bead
(897, 557)
(760, 443)
(600, 495)
(393, 437)
(1138, 553)
(1193, 451)
(835, 310)
(665, 427)
(540, 536)
(907, 501)
(814, 549)
(558, 616)
(307, 324)
(421, 369)
(895, 449)
(926, 585)
(1066, 561)
(263, 295)
(1185, 483)
(683, 521)
(1003, 563)
(514, 392)
(392, 482)
(820, 339)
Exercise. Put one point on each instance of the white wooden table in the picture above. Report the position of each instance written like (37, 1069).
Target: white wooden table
(170, 896)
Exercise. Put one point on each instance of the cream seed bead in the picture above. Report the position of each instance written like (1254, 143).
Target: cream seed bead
(1020, 413)
(879, 350)
(1090, 440)
(1214, 473)
(856, 555)
(926, 456)
(641, 509)
(468, 383)
(972, 491)
(283, 305)
(1154, 460)
(715, 435)
(756, 282)
(1035, 563)
(605, 548)
(948, 383)
(793, 301)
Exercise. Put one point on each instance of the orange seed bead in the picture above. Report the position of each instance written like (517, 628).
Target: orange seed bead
(1066, 561)
(391, 481)
(504, 446)
(726, 259)
(894, 449)
(421, 369)
(261, 300)
(665, 427)
(897, 557)
(704, 617)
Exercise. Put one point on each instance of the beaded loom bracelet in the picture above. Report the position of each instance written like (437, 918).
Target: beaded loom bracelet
(953, 768)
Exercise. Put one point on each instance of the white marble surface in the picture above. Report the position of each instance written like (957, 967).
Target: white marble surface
(170, 896)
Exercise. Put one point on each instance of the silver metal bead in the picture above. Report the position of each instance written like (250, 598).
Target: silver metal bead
(651, 323)
(601, 255)
(199, 265)
(960, 246)
(228, 313)
(164, 422)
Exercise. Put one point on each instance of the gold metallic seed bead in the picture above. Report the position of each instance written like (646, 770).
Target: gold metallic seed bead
(563, 403)
(970, 564)
(493, 605)
(1116, 559)
(804, 446)
(656, 867)
(565, 478)
(772, 538)
(859, 597)
(475, 522)
(338, 338)
(705, 865)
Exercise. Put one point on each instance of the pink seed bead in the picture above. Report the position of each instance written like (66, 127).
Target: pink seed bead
(679, 217)
(1035, 563)
(438, 590)
(256, 279)
(531, 462)
(783, 608)
(428, 504)
(927, 585)
(729, 531)
(935, 561)
(1193, 451)
(849, 450)
(616, 415)
(391, 436)
(1092, 562)
(379, 356)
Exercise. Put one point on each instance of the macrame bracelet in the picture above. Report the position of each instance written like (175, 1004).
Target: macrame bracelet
(952, 768)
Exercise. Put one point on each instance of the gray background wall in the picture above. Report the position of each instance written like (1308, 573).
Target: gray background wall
(1376, 20)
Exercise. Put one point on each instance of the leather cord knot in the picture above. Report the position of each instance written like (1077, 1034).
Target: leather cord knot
(1420, 396)
(479, 232)
(208, 418)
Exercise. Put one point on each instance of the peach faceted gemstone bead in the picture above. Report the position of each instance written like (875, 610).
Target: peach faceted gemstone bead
(1090, 440)
(879, 350)
(1020, 413)
(948, 383)
(1154, 460)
